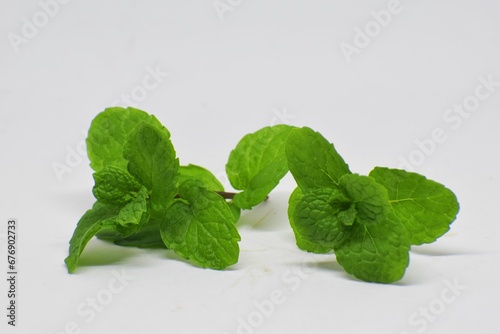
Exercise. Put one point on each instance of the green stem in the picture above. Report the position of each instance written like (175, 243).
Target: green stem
(226, 195)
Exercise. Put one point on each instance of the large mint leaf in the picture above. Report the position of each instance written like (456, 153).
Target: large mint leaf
(151, 160)
(302, 242)
(200, 227)
(425, 207)
(375, 253)
(313, 161)
(257, 164)
(91, 222)
(109, 132)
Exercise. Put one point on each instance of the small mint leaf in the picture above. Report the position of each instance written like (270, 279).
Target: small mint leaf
(115, 186)
(370, 198)
(133, 214)
(316, 216)
(348, 217)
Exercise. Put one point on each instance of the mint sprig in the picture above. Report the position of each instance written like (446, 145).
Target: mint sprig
(370, 222)
(139, 188)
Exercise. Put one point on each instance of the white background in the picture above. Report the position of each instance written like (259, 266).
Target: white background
(231, 73)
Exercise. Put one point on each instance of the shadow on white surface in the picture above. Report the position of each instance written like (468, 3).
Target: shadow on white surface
(440, 251)
(103, 253)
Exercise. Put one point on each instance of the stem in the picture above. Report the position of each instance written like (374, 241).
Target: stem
(226, 195)
(229, 195)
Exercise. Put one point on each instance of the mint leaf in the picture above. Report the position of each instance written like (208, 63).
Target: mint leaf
(235, 210)
(425, 207)
(123, 220)
(133, 214)
(375, 252)
(316, 216)
(370, 199)
(313, 161)
(91, 222)
(151, 160)
(109, 132)
(301, 241)
(200, 174)
(257, 164)
(115, 186)
(200, 227)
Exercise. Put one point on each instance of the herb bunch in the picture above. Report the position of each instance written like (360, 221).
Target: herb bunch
(146, 198)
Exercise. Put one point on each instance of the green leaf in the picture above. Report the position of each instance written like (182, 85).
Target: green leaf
(348, 217)
(92, 221)
(257, 164)
(133, 214)
(200, 174)
(122, 221)
(313, 161)
(200, 227)
(371, 201)
(109, 132)
(152, 162)
(375, 253)
(425, 207)
(316, 216)
(115, 186)
(301, 241)
(235, 210)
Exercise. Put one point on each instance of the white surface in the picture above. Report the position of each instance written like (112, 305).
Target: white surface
(265, 60)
